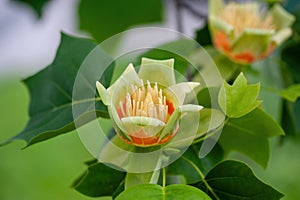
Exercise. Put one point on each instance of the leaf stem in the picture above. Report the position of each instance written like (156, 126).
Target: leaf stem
(164, 177)
(201, 175)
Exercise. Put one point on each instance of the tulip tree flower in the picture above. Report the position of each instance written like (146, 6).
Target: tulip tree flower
(145, 107)
(245, 32)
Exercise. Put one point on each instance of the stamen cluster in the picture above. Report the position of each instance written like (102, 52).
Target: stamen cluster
(146, 101)
(241, 19)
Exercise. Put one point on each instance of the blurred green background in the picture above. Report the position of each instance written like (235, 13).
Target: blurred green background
(47, 170)
(42, 171)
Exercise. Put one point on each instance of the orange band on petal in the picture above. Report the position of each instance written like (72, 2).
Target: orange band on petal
(221, 41)
(245, 57)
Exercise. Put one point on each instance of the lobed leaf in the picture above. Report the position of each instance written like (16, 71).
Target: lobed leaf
(51, 91)
(249, 135)
(234, 180)
(240, 98)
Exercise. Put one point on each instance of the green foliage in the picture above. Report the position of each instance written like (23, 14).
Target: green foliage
(100, 180)
(182, 47)
(208, 97)
(291, 93)
(36, 5)
(210, 120)
(103, 19)
(249, 134)
(171, 192)
(226, 67)
(268, 73)
(203, 36)
(51, 92)
(183, 168)
(291, 72)
(235, 181)
(239, 99)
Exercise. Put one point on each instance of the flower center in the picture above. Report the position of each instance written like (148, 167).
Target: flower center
(146, 101)
(246, 16)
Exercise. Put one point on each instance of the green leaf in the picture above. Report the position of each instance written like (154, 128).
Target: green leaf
(239, 99)
(249, 135)
(134, 179)
(268, 73)
(235, 181)
(51, 91)
(226, 67)
(291, 112)
(181, 168)
(155, 192)
(292, 93)
(106, 18)
(290, 121)
(213, 65)
(100, 180)
(210, 120)
(36, 5)
(203, 36)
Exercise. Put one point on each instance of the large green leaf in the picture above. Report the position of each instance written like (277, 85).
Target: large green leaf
(100, 180)
(268, 73)
(249, 135)
(51, 91)
(182, 170)
(232, 180)
(156, 192)
(238, 99)
(36, 5)
(106, 18)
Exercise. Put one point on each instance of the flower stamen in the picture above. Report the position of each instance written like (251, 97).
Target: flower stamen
(241, 19)
(146, 101)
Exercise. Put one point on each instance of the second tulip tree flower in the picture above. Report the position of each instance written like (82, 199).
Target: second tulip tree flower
(246, 32)
(145, 107)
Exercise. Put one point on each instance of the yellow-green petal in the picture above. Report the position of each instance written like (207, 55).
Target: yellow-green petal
(281, 36)
(148, 125)
(171, 125)
(256, 40)
(104, 95)
(218, 25)
(123, 85)
(215, 6)
(281, 18)
(180, 91)
(160, 71)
